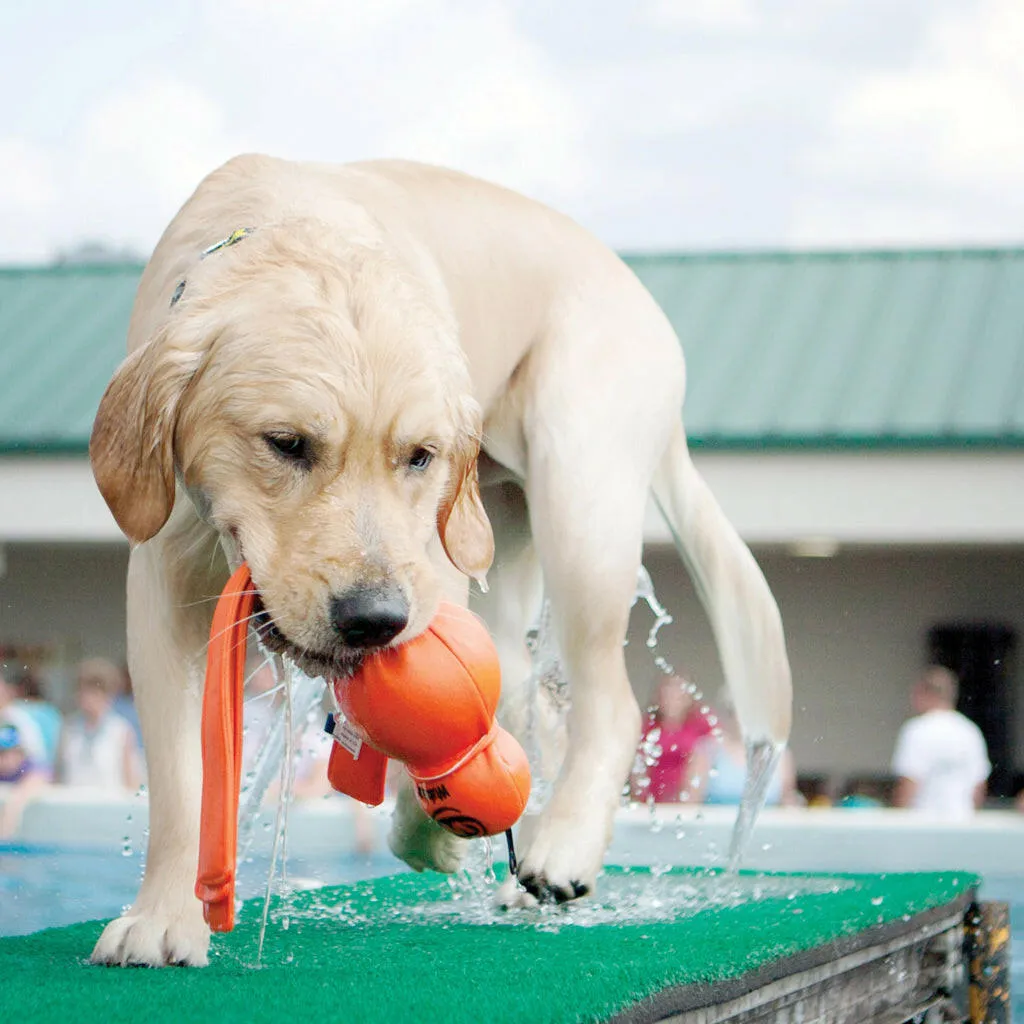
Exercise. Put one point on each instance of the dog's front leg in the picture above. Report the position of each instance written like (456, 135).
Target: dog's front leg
(418, 839)
(171, 594)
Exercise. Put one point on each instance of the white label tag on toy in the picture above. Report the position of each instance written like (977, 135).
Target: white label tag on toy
(348, 736)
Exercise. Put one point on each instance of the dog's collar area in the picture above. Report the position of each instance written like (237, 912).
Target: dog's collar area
(234, 238)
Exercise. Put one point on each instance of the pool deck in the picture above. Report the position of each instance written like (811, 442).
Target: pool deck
(888, 976)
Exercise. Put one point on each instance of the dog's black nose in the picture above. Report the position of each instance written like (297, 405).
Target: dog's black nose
(369, 618)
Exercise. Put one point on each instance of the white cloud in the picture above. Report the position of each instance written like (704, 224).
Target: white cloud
(931, 147)
(28, 196)
(493, 107)
(719, 16)
(844, 221)
(160, 137)
(444, 81)
(133, 160)
(674, 122)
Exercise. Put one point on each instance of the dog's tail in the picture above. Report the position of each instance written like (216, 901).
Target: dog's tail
(743, 613)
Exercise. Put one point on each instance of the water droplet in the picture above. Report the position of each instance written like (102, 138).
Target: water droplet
(766, 847)
(126, 848)
(877, 901)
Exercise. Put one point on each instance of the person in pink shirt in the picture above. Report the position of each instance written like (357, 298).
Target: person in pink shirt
(674, 728)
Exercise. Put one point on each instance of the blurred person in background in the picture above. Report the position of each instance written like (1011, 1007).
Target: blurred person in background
(97, 746)
(22, 756)
(32, 699)
(718, 767)
(941, 759)
(13, 712)
(674, 728)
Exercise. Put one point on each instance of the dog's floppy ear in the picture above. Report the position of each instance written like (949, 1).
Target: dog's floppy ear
(462, 523)
(132, 443)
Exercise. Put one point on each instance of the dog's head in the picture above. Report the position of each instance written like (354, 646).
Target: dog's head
(314, 404)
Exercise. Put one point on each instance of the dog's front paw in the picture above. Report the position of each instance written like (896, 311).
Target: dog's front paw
(424, 845)
(154, 939)
(562, 855)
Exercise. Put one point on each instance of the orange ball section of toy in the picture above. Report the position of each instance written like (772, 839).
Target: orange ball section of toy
(428, 701)
(484, 796)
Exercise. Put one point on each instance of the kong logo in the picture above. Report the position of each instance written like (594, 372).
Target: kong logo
(432, 793)
(461, 824)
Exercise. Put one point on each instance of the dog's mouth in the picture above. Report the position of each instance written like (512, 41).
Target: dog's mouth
(332, 664)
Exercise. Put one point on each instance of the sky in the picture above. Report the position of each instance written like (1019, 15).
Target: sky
(658, 124)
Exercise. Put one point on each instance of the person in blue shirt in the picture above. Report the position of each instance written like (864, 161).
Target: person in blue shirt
(31, 699)
(718, 767)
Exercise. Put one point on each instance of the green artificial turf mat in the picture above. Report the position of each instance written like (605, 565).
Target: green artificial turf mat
(401, 949)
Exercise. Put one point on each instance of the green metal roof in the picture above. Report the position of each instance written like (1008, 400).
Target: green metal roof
(62, 333)
(817, 350)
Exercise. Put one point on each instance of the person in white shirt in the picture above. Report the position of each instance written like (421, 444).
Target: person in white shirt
(97, 746)
(940, 757)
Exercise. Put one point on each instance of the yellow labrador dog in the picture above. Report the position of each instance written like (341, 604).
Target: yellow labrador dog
(376, 363)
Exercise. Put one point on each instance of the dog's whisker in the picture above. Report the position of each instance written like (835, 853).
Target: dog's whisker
(252, 698)
(267, 662)
(199, 601)
(196, 544)
(249, 619)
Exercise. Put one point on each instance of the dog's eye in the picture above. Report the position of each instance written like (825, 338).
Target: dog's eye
(293, 447)
(420, 459)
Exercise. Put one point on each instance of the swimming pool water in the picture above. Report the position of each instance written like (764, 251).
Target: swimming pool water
(48, 887)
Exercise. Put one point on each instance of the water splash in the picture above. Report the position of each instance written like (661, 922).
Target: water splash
(304, 695)
(641, 897)
(276, 757)
(547, 701)
(472, 886)
(762, 760)
(645, 592)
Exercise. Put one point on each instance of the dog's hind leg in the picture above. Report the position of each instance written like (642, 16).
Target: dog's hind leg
(743, 614)
(173, 583)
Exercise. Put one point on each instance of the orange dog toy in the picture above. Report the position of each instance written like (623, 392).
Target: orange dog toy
(429, 703)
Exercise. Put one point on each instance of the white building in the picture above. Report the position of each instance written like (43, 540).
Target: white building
(860, 417)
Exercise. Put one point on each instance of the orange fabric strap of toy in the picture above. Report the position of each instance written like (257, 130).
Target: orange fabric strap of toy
(222, 751)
